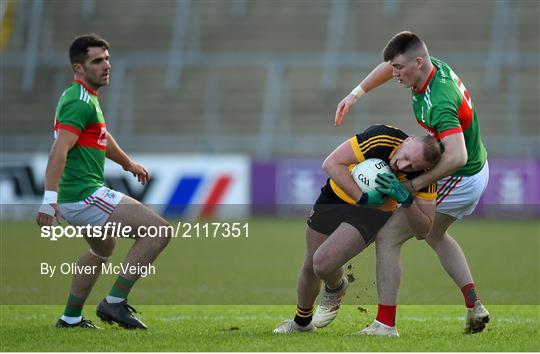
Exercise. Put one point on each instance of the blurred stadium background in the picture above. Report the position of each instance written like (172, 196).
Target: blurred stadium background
(261, 79)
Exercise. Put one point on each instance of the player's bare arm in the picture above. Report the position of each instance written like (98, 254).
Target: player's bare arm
(453, 158)
(378, 76)
(336, 165)
(116, 154)
(64, 141)
(419, 212)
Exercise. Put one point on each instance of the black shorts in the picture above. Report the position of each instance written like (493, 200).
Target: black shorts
(330, 211)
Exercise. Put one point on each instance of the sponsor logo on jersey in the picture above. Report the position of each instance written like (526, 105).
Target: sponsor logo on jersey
(102, 138)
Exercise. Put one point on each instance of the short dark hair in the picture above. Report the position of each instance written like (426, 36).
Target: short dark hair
(401, 43)
(78, 50)
(432, 149)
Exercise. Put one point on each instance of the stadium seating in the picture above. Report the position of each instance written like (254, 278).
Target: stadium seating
(262, 33)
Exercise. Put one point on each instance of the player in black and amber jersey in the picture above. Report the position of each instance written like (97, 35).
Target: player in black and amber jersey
(344, 220)
(382, 142)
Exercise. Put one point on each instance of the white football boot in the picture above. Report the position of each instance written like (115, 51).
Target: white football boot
(329, 307)
(289, 326)
(476, 319)
(379, 329)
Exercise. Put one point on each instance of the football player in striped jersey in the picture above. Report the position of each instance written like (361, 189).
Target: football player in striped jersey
(344, 220)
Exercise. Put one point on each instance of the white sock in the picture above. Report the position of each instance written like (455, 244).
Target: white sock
(71, 320)
(113, 299)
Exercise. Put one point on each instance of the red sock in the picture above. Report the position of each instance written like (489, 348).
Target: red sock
(387, 314)
(469, 294)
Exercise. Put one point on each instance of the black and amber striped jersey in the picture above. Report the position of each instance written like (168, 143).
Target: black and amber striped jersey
(381, 142)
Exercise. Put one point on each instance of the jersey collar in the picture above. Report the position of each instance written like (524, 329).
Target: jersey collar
(423, 89)
(87, 88)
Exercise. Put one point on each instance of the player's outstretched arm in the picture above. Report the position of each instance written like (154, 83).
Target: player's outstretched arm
(65, 140)
(378, 76)
(115, 153)
(453, 158)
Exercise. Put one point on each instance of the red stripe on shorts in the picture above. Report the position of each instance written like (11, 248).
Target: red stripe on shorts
(444, 185)
(109, 204)
(98, 206)
(449, 191)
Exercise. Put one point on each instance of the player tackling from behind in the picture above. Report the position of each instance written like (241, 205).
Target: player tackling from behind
(441, 105)
(74, 188)
(344, 221)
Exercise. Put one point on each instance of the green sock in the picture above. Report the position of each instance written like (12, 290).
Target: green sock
(121, 287)
(74, 306)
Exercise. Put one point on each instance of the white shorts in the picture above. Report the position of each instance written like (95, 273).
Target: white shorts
(458, 196)
(94, 210)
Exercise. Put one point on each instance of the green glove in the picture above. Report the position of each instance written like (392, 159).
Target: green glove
(391, 187)
(373, 198)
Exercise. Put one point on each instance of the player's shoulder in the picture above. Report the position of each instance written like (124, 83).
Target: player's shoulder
(75, 94)
(382, 130)
(73, 104)
(444, 83)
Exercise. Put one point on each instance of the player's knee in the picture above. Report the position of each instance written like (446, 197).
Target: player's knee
(101, 253)
(109, 246)
(169, 232)
(322, 266)
(165, 235)
(434, 238)
(308, 264)
(164, 242)
(104, 249)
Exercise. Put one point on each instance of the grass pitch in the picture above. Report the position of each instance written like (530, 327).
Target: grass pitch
(249, 328)
(228, 294)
